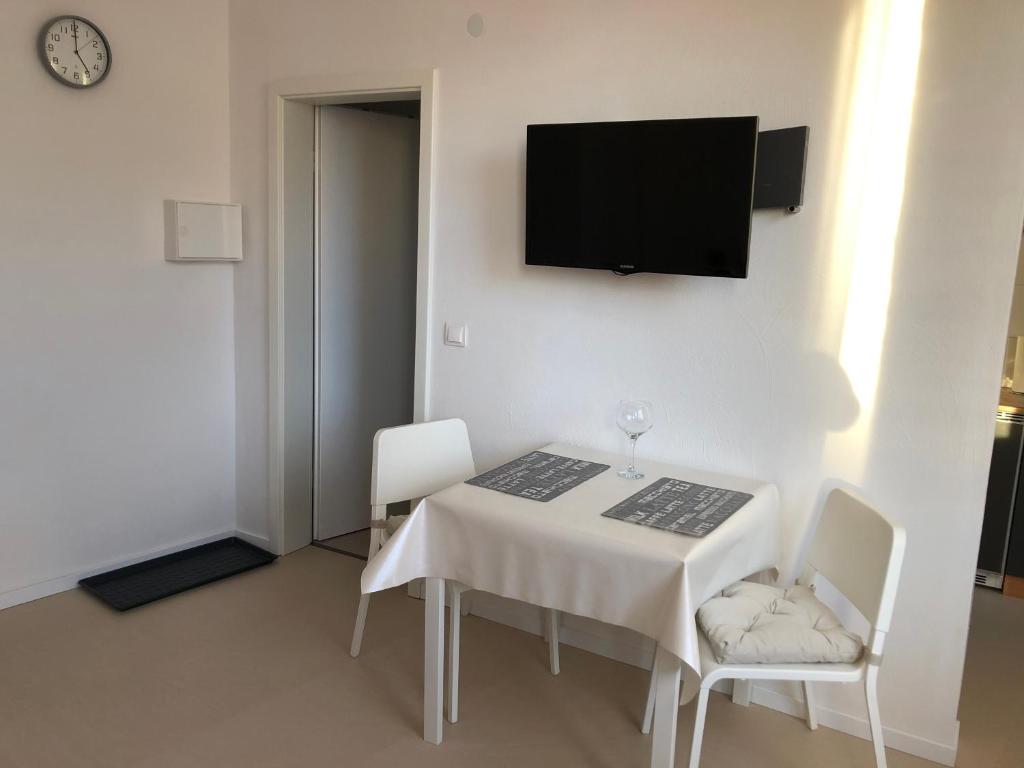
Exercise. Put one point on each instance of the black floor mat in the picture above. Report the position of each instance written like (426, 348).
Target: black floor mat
(151, 580)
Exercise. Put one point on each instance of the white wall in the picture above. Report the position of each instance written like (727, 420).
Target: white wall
(831, 361)
(117, 377)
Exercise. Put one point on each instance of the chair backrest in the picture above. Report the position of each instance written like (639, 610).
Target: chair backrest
(861, 553)
(417, 460)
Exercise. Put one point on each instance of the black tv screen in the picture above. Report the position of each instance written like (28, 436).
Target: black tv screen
(669, 196)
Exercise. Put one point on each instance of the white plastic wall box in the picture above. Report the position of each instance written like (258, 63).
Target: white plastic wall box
(197, 231)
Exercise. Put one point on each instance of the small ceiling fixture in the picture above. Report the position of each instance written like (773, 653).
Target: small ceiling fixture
(475, 25)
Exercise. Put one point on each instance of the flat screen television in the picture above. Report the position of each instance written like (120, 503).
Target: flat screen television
(668, 196)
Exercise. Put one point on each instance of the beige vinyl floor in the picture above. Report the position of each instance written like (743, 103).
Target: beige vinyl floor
(254, 671)
(357, 543)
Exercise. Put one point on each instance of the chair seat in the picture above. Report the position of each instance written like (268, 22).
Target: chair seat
(711, 670)
(761, 624)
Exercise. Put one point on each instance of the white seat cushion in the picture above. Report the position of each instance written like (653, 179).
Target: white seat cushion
(760, 624)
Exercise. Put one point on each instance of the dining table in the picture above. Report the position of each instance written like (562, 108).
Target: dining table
(563, 553)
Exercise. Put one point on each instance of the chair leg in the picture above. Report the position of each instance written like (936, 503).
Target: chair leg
(874, 719)
(553, 640)
(812, 708)
(453, 655)
(645, 727)
(698, 726)
(357, 633)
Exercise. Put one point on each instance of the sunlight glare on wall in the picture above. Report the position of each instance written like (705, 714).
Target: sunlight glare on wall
(892, 77)
(871, 192)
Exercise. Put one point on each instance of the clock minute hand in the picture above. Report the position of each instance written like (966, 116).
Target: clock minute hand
(74, 32)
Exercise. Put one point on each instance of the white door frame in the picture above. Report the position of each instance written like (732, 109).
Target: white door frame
(339, 89)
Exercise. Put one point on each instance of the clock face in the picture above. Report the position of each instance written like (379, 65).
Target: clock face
(74, 51)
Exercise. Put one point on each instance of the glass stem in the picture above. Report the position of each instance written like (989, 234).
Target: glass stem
(632, 464)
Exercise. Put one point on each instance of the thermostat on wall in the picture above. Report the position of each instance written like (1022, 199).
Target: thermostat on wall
(202, 231)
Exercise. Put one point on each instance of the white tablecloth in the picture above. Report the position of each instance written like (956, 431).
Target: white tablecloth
(563, 554)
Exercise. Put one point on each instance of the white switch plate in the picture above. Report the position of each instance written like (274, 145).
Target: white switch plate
(456, 335)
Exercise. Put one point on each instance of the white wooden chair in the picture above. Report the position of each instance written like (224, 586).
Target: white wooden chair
(860, 553)
(410, 462)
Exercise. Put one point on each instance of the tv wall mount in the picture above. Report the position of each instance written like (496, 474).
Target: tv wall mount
(779, 171)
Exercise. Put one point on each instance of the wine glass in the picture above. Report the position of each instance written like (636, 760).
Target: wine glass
(634, 417)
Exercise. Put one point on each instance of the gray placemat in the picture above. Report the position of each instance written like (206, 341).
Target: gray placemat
(678, 506)
(539, 476)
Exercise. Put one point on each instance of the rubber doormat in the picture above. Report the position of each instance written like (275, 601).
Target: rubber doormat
(142, 583)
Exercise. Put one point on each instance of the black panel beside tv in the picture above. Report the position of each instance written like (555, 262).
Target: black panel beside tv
(667, 196)
(781, 161)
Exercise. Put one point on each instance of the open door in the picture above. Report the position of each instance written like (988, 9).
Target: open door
(367, 191)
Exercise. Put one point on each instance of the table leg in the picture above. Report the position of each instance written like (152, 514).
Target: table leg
(741, 692)
(433, 660)
(667, 668)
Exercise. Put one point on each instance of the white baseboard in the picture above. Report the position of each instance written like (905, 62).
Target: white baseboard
(945, 754)
(615, 643)
(606, 640)
(69, 581)
(263, 542)
(633, 648)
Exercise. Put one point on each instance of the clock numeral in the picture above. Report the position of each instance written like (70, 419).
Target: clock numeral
(64, 70)
(95, 43)
(99, 57)
(49, 46)
(55, 36)
(55, 60)
(76, 74)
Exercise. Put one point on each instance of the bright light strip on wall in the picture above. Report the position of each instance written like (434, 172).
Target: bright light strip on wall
(871, 192)
(886, 83)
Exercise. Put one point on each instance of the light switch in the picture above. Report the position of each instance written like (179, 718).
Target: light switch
(456, 335)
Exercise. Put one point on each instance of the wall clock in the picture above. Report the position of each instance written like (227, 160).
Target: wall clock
(74, 51)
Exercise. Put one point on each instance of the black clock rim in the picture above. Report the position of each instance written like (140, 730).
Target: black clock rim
(46, 61)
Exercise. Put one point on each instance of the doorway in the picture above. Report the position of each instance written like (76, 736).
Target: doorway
(350, 182)
(1001, 550)
(365, 323)
(990, 704)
